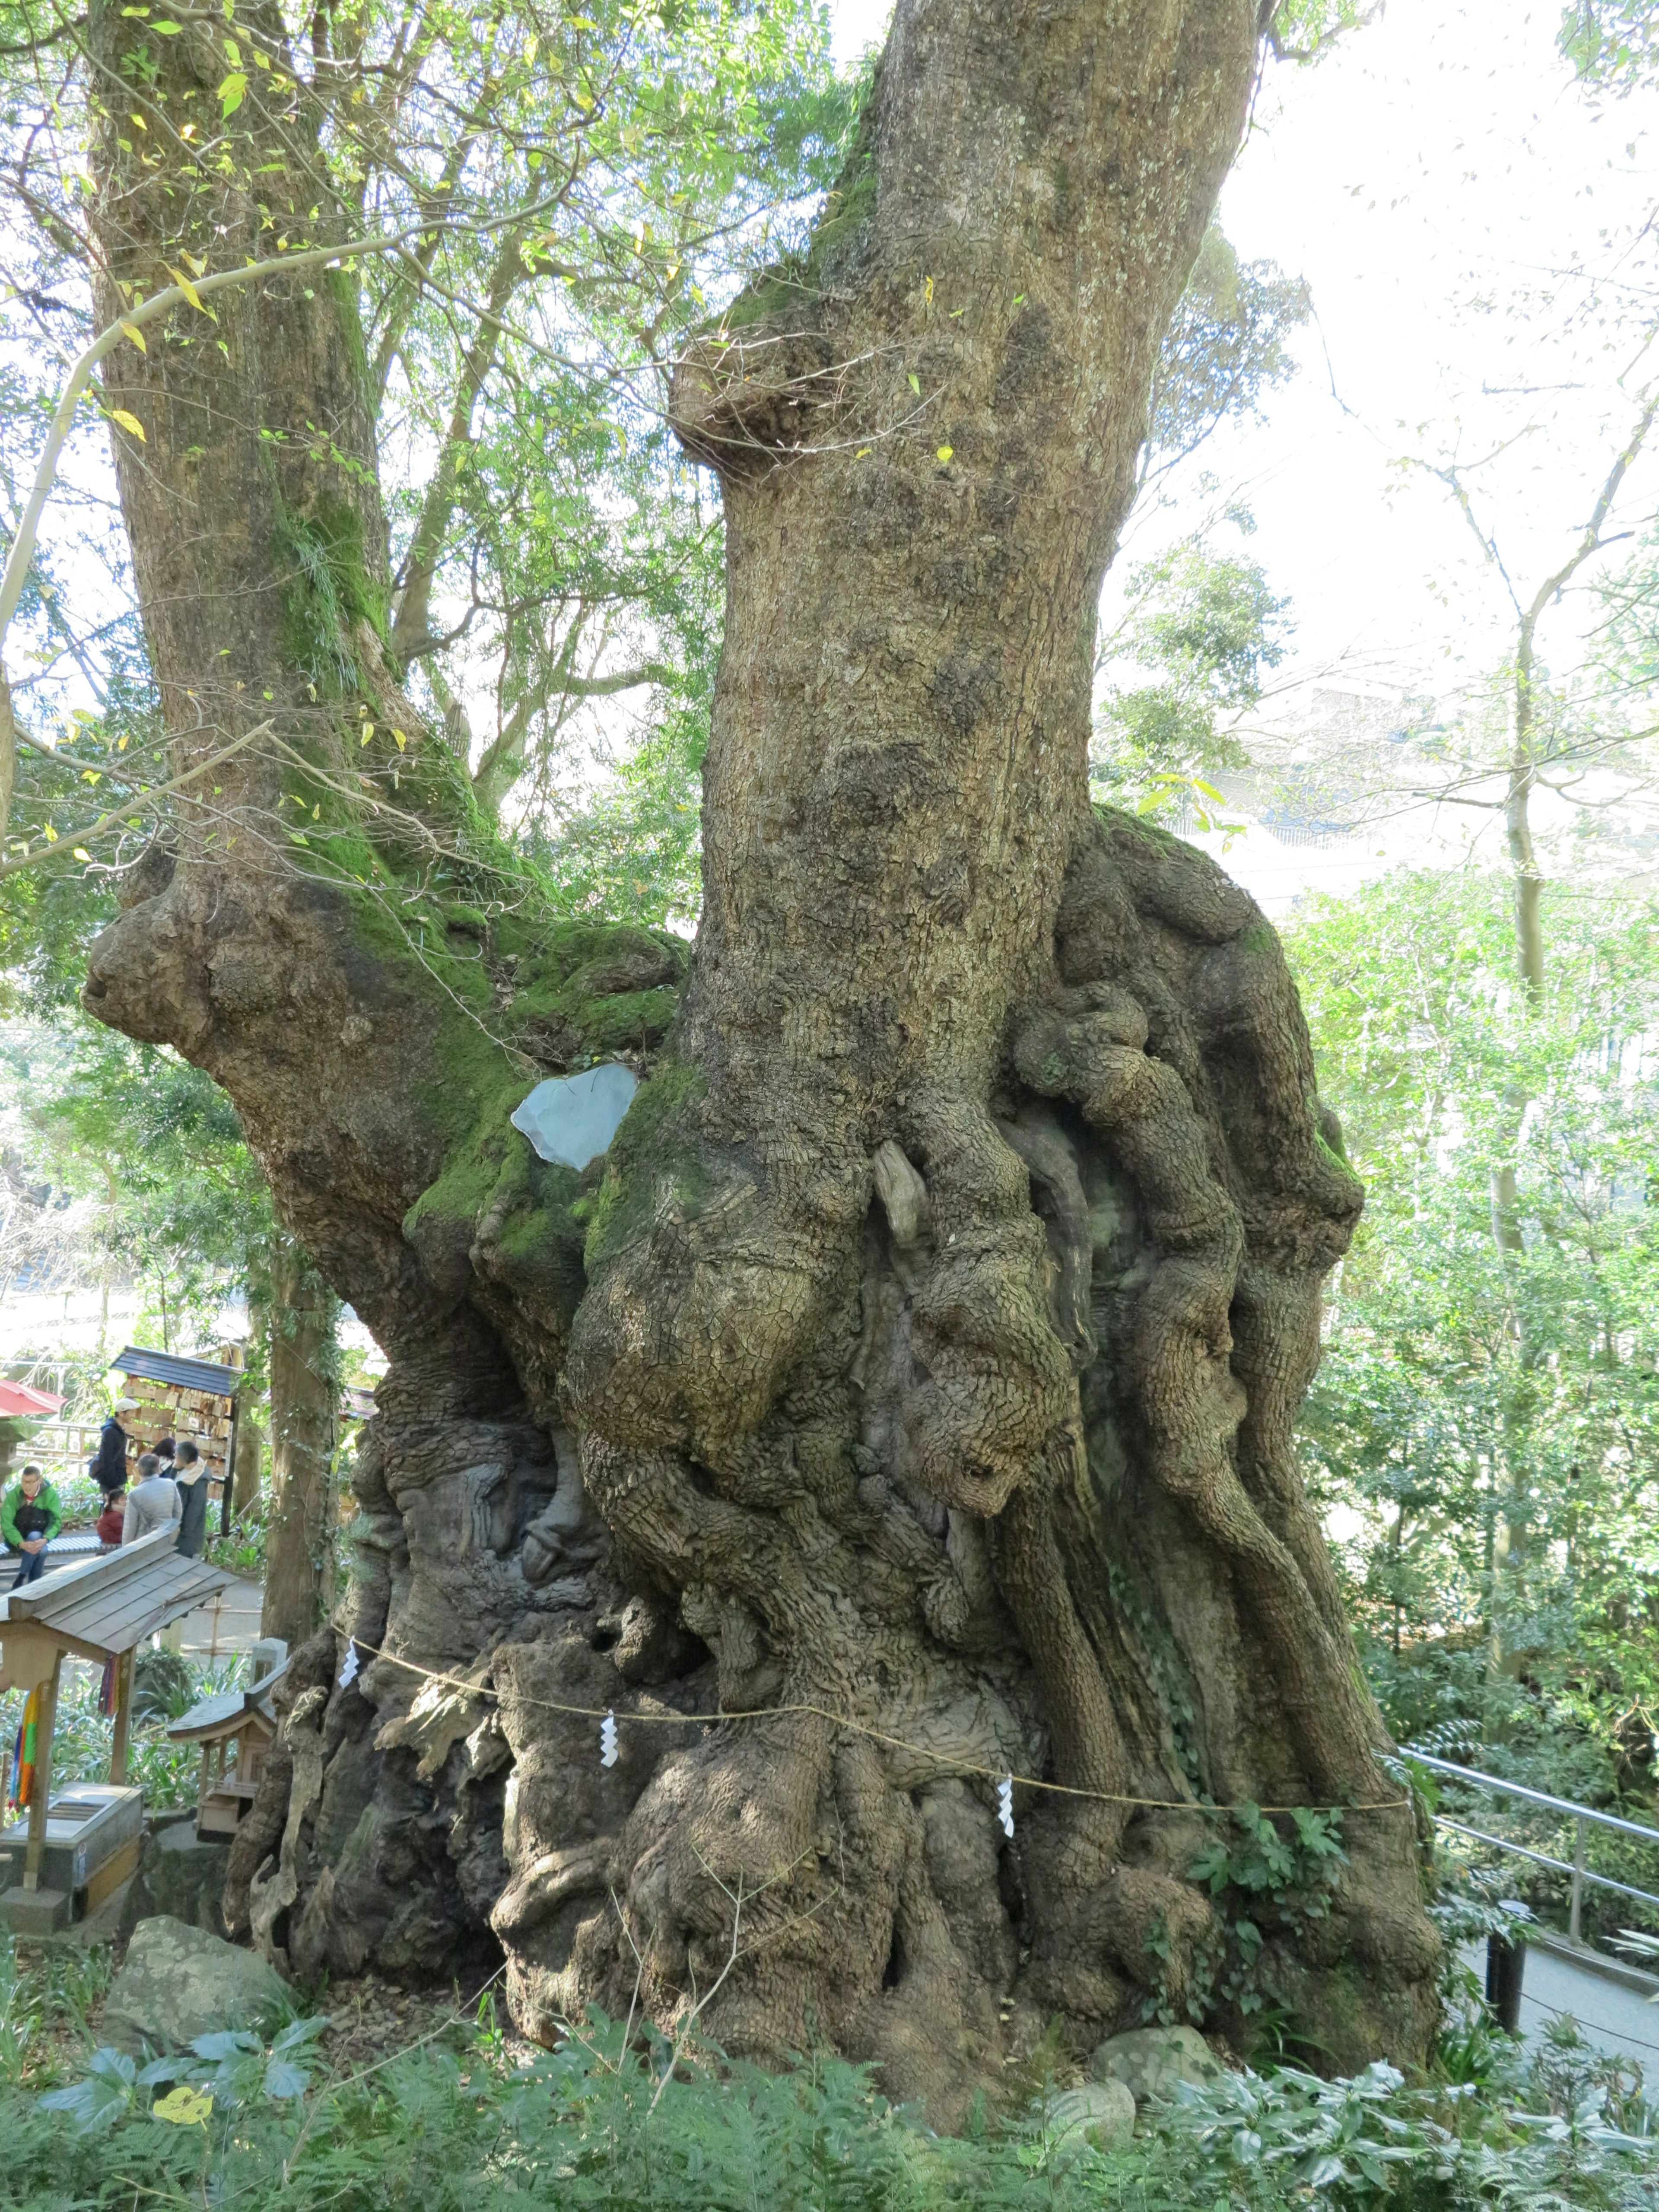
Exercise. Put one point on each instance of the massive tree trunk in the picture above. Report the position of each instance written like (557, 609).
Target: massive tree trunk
(918, 1371)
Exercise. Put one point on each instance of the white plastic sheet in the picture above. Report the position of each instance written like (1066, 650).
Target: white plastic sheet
(571, 1118)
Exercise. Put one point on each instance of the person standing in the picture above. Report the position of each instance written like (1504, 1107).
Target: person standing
(192, 1476)
(109, 1462)
(152, 1502)
(30, 1517)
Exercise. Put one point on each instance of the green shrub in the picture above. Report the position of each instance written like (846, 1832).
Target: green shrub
(618, 2122)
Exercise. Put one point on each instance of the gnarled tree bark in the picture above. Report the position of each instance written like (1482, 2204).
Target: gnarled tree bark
(919, 1370)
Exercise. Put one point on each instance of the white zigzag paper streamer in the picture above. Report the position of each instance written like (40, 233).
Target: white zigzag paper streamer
(349, 1672)
(608, 1754)
(1005, 1804)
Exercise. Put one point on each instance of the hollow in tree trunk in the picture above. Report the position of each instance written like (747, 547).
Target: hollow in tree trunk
(916, 1375)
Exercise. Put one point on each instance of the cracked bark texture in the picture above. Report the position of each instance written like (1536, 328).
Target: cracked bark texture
(926, 1349)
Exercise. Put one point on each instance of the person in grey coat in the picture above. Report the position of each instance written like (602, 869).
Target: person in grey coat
(152, 1502)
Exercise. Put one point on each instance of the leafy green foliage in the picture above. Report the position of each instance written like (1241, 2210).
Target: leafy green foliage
(148, 1168)
(165, 1771)
(1227, 347)
(1613, 44)
(617, 2124)
(1268, 1882)
(1205, 629)
(1488, 1420)
(1306, 30)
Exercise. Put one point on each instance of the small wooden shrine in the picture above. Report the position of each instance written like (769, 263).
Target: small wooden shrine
(99, 1610)
(235, 1730)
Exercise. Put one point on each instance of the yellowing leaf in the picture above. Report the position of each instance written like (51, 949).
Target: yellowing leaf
(863, 453)
(402, 739)
(927, 291)
(48, 833)
(197, 268)
(186, 286)
(137, 337)
(945, 451)
(369, 732)
(914, 383)
(82, 853)
(186, 2106)
(232, 93)
(128, 423)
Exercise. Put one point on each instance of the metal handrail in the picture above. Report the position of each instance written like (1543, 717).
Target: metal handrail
(1578, 1813)
(1543, 1858)
(1533, 1796)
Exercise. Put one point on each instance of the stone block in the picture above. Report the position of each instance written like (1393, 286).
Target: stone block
(180, 1877)
(178, 1983)
(33, 1912)
(1101, 2114)
(1152, 2061)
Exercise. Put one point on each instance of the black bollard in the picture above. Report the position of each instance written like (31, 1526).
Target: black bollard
(1506, 1967)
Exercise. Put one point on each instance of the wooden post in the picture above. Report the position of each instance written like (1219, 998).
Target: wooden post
(40, 1786)
(118, 1749)
(230, 1464)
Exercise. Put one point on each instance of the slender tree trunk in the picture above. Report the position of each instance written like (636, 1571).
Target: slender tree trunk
(246, 1475)
(1509, 1543)
(304, 1409)
(1517, 817)
(916, 1379)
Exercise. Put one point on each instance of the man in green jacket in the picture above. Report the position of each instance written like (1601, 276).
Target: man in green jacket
(30, 1516)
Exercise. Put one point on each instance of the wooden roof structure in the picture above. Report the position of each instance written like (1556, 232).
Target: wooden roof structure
(235, 1730)
(105, 1606)
(223, 1715)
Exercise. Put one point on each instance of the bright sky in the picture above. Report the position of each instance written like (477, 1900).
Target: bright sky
(1440, 168)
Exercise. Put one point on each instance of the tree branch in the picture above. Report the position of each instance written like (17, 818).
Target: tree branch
(410, 620)
(21, 553)
(124, 812)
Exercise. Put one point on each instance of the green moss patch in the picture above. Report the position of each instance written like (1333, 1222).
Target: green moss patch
(659, 1138)
(595, 989)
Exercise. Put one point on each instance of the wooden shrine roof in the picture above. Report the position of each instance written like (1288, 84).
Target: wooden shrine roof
(113, 1602)
(229, 1711)
(187, 1374)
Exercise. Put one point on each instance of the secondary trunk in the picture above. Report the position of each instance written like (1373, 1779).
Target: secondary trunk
(304, 1403)
(915, 1380)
